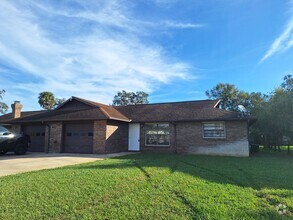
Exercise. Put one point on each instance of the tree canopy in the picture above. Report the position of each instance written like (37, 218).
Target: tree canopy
(274, 111)
(230, 96)
(124, 98)
(3, 106)
(47, 100)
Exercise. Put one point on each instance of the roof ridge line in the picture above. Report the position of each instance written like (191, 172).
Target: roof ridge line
(160, 103)
(105, 112)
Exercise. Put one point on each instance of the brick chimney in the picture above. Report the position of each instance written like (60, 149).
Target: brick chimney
(16, 109)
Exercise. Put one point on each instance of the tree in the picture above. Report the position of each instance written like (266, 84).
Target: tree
(47, 100)
(124, 98)
(59, 102)
(3, 106)
(274, 115)
(287, 85)
(273, 111)
(230, 96)
(282, 110)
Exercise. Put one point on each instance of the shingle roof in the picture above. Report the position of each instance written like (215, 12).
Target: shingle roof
(177, 111)
(8, 117)
(109, 111)
(97, 111)
(160, 112)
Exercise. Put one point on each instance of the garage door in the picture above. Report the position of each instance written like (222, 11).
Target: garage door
(37, 135)
(78, 138)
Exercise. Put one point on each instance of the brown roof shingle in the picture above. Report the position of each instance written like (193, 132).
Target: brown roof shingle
(96, 111)
(7, 117)
(177, 111)
(204, 110)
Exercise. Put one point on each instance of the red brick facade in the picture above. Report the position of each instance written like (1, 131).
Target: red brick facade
(187, 137)
(99, 129)
(110, 137)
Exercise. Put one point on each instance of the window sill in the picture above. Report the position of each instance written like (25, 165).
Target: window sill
(215, 138)
(164, 146)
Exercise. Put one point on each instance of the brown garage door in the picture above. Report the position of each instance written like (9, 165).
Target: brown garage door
(78, 138)
(37, 135)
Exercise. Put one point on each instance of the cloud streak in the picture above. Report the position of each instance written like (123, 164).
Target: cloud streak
(91, 51)
(283, 42)
(172, 24)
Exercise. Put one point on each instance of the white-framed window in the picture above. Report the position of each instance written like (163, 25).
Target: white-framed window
(213, 130)
(157, 134)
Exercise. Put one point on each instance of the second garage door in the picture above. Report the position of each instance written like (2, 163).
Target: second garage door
(78, 138)
(37, 136)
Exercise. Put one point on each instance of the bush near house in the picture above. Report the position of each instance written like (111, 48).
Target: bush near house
(155, 186)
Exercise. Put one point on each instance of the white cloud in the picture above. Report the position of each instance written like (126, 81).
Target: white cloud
(107, 56)
(173, 24)
(284, 41)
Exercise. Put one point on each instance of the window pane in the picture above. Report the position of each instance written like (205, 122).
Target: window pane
(163, 140)
(151, 139)
(213, 126)
(151, 128)
(3, 130)
(157, 134)
(163, 128)
(216, 129)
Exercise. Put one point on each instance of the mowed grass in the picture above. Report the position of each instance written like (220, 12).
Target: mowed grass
(154, 186)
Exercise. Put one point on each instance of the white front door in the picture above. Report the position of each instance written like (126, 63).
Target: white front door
(133, 138)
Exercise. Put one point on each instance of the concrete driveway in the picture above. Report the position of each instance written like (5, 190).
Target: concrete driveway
(12, 164)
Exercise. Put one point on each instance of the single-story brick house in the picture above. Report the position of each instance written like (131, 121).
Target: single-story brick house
(83, 126)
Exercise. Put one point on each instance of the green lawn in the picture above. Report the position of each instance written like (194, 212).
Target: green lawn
(154, 186)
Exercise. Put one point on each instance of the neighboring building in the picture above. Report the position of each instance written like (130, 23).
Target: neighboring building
(83, 126)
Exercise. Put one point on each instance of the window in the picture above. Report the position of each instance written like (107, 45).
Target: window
(157, 134)
(90, 134)
(214, 130)
(3, 130)
(68, 134)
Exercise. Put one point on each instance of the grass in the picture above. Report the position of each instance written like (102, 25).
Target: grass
(154, 186)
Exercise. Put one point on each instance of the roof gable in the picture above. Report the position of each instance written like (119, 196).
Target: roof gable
(75, 103)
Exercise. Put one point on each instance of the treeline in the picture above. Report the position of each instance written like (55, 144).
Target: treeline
(274, 111)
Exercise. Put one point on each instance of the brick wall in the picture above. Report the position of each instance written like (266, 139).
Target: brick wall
(99, 138)
(189, 139)
(55, 138)
(186, 137)
(116, 136)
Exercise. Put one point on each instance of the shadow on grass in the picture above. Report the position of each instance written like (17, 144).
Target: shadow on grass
(187, 203)
(262, 170)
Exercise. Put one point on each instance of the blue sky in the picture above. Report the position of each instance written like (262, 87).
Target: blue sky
(173, 49)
